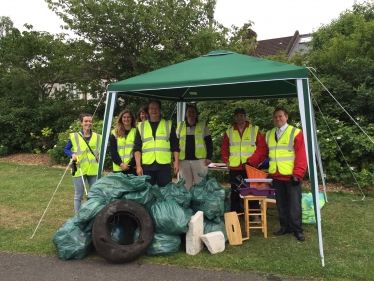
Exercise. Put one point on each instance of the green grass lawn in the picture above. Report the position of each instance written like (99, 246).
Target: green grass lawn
(25, 192)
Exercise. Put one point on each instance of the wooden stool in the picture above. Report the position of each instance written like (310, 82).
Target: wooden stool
(233, 229)
(262, 224)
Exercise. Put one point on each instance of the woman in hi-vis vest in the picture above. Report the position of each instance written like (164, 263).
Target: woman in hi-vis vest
(83, 148)
(142, 114)
(122, 143)
(196, 147)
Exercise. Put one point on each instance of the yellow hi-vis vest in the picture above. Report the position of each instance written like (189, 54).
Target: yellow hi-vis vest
(281, 153)
(200, 148)
(124, 148)
(87, 162)
(244, 147)
(157, 149)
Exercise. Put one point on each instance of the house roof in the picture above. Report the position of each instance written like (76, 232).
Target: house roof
(271, 47)
(300, 45)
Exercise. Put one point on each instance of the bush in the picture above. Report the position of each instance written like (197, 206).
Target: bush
(3, 150)
(33, 127)
(346, 153)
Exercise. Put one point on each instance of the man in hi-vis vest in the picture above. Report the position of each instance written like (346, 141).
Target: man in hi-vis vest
(242, 143)
(155, 142)
(287, 167)
(196, 147)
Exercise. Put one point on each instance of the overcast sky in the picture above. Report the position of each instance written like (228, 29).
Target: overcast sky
(272, 18)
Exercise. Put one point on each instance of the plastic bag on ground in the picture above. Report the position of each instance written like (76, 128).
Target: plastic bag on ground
(208, 196)
(308, 214)
(143, 197)
(227, 201)
(116, 186)
(89, 210)
(178, 192)
(162, 244)
(211, 226)
(71, 242)
(168, 217)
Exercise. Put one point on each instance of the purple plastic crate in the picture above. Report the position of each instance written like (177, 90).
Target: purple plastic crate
(246, 190)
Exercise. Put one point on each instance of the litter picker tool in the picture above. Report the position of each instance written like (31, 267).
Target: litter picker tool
(85, 189)
(67, 167)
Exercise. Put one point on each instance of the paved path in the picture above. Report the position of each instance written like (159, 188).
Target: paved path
(21, 267)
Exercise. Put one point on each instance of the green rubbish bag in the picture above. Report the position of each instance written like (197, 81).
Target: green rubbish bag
(116, 186)
(167, 216)
(143, 197)
(89, 210)
(227, 201)
(162, 244)
(208, 196)
(71, 242)
(211, 226)
(178, 192)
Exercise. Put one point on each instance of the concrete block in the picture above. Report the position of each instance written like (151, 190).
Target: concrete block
(215, 241)
(195, 229)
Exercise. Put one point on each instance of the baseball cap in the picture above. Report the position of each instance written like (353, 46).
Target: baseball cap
(239, 111)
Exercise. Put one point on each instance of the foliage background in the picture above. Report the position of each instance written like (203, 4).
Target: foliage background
(120, 39)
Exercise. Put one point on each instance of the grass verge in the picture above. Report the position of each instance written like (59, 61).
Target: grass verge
(346, 225)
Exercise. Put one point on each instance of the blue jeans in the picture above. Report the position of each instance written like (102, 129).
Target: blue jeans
(288, 200)
(160, 177)
(79, 189)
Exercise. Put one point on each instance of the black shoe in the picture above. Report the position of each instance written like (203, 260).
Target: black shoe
(281, 231)
(299, 236)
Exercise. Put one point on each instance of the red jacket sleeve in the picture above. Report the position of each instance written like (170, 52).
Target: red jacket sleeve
(301, 163)
(225, 148)
(260, 153)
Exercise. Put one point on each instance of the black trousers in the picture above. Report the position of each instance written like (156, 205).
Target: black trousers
(161, 177)
(237, 203)
(288, 199)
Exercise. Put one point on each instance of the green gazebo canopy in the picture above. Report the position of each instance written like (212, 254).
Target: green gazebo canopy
(219, 75)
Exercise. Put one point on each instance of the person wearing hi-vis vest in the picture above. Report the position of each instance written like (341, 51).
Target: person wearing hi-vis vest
(122, 143)
(142, 114)
(155, 144)
(83, 148)
(242, 143)
(196, 147)
(287, 166)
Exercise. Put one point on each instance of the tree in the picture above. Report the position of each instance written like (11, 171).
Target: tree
(31, 64)
(343, 56)
(6, 25)
(116, 40)
(134, 37)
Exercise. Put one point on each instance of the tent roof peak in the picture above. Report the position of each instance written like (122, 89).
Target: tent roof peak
(218, 53)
